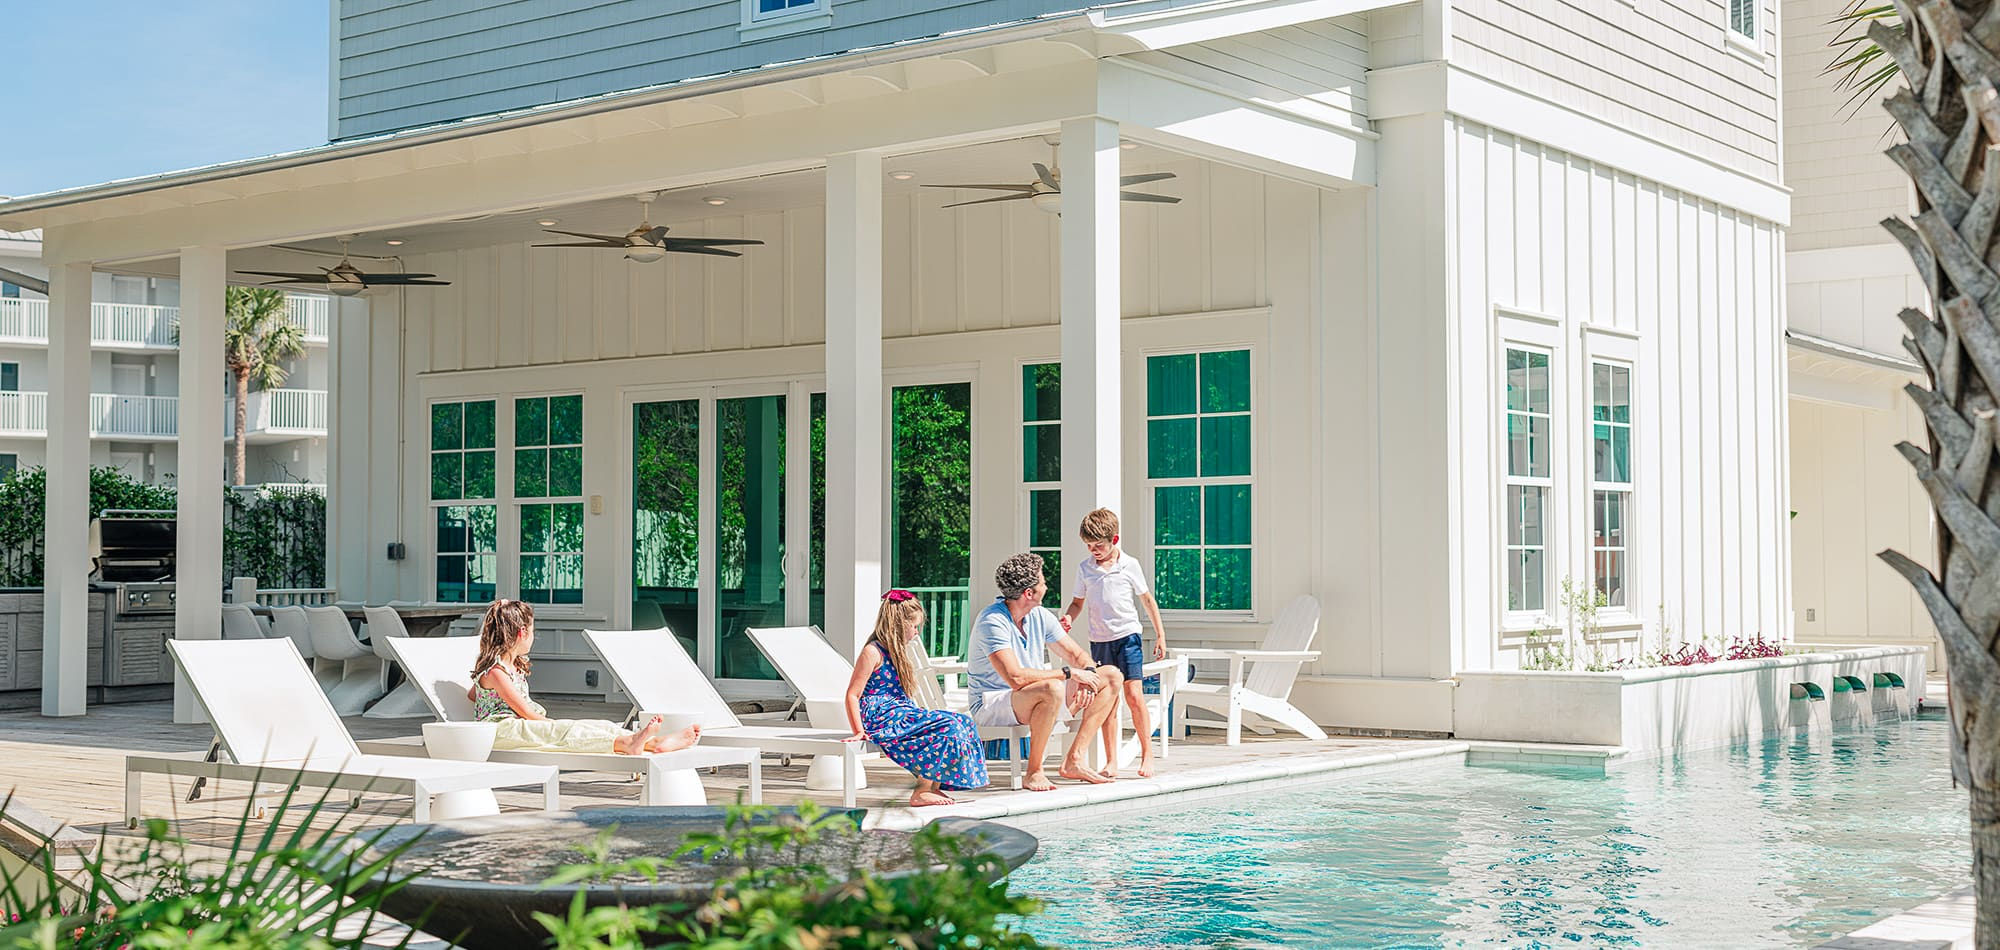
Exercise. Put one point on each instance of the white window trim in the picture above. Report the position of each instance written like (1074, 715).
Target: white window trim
(1024, 494)
(762, 26)
(1148, 483)
(1602, 344)
(1521, 330)
(510, 535)
(1750, 44)
(431, 505)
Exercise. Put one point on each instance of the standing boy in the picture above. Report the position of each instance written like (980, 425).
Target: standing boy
(1110, 585)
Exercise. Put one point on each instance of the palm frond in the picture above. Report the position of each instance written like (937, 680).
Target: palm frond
(1864, 70)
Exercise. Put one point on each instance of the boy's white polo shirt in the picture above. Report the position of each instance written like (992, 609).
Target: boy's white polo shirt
(1110, 595)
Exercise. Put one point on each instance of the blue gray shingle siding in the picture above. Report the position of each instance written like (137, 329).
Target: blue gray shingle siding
(409, 63)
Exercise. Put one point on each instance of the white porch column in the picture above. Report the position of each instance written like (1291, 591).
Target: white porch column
(1091, 415)
(854, 457)
(198, 571)
(66, 568)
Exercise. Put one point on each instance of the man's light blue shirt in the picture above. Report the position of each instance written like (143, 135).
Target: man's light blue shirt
(994, 629)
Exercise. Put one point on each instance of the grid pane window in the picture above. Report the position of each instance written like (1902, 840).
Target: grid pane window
(1611, 479)
(462, 499)
(1527, 421)
(548, 467)
(781, 7)
(1041, 469)
(1198, 457)
(1743, 17)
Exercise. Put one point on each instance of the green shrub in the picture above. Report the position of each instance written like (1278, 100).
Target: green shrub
(23, 510)
(276, 535)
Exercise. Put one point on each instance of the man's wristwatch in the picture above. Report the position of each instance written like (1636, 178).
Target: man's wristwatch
(1066, 672)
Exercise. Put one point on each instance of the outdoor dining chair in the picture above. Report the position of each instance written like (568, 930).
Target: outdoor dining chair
(290, 622)
(358, 681)
(241, 682)
(240, 623)
(440, 671)
(385, 626)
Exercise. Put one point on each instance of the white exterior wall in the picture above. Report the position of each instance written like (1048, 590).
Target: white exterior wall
(1612, 261)
(969, 294)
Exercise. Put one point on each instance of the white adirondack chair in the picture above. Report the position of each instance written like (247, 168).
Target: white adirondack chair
(1260, 681)
(272, 727)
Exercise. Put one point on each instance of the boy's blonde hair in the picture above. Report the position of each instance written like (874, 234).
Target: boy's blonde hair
(1100, 526)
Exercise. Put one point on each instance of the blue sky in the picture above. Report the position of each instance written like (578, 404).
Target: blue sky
(112, 89)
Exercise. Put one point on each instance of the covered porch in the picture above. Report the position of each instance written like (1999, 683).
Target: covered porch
(885, 392)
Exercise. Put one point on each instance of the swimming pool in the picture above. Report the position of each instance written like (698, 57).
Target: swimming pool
(1778, 844)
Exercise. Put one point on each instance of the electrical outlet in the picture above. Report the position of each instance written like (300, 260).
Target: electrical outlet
(590, 678)
(1810, 614)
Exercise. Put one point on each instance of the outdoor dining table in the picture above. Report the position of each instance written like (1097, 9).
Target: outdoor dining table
(421, 620)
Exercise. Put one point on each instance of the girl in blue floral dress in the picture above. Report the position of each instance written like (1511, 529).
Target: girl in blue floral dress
(939, 747)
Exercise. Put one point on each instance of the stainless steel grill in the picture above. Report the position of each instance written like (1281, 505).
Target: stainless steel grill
(135, 551)
(144, 598)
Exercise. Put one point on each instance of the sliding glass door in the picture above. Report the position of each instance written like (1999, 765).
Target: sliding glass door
(749, 537)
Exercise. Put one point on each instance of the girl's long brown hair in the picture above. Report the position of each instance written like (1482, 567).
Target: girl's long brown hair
(504, 623)
(890, 623)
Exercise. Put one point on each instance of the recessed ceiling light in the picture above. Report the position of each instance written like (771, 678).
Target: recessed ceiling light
(902, 175)
(394, 242)
(1128, 146)
(547, 222)
(716, 200)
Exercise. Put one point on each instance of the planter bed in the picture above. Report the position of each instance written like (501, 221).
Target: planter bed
(1662, 710)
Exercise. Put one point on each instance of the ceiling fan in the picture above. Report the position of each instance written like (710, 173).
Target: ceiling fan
(345, 280)
(1046, 190)
(646, 243)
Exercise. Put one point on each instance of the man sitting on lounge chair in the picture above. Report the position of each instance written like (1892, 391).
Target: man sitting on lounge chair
(1012, 683)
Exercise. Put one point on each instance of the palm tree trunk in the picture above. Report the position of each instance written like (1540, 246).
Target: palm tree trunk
(242, 420)
(1949, 54)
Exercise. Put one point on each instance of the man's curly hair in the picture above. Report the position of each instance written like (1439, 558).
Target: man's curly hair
(1017, 573)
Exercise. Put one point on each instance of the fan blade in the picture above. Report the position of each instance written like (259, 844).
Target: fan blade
(1156, 199)
(295, 280)
(1048, 177)
(1129, 180)
(287, 275)
(407, 283)
(615, 240)
(988, 201)
(620, 245)
(401, 279)
(653, 236)
(988, 187)
(672, 243)
(711, 251)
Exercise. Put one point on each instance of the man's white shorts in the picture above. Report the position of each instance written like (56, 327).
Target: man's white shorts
(996, 708)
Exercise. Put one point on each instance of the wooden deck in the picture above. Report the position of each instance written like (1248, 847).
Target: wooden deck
(72, 769)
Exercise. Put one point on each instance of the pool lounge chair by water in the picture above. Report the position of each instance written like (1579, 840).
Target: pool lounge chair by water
(657, 674)
(274, 726)
(440, 670)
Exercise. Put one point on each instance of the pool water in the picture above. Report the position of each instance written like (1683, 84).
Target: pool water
(1784, 843)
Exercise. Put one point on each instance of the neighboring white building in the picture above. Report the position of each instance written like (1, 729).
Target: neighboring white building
(1461, 299)
(135, 379)
(1845, 281)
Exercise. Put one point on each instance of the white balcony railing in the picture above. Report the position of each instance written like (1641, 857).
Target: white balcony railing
(143, 326)
(134, 417)
(133, 324)
(298, 412)
(24, 321)
(112, 415)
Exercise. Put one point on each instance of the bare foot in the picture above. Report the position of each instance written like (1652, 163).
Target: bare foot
(1038, 782)
(674, 742)
(1110, 770)
(633, 743)
(1145, 766)
(1077, 773)
(920, 799)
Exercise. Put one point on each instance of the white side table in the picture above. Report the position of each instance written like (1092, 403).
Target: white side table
(467, 741)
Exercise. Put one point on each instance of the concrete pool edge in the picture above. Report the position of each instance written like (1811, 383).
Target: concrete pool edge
(1173, 789)
(1943, 923)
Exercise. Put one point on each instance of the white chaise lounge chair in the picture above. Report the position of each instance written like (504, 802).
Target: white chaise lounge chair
(440, 669)
(659, 676)
(1265, 691)
(820, 674)
(275, 727)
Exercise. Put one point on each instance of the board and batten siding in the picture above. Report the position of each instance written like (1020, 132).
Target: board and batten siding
(1600, 253)
(401, 64)
(1661, 68)
(969, 293)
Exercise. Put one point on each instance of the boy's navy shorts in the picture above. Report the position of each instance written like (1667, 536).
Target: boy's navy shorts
(1123, 653)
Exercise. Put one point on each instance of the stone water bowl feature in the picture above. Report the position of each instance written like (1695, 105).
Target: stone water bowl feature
(482, 877)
